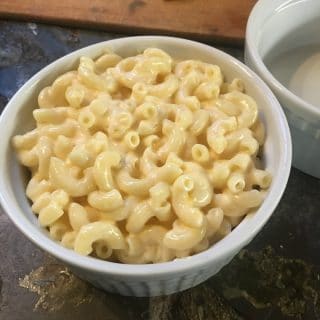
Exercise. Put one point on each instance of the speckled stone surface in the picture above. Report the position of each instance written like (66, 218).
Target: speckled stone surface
(276, 277)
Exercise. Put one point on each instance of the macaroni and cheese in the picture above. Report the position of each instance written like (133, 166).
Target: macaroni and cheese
(143, 159)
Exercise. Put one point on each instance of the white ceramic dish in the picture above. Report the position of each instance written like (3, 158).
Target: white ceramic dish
(282, 43)
(162, 278)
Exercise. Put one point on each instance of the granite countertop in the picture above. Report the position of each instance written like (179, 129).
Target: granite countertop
(276, 277)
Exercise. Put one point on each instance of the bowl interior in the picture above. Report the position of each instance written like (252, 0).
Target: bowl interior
(17, 119)
(294, 58)
(288, 25)
(286, 37)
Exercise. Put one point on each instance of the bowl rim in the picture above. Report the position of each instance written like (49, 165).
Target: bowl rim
(214, 253)
(258, 11)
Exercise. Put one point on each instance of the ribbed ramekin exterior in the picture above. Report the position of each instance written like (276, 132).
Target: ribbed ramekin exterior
(306, 143)
(152, 286)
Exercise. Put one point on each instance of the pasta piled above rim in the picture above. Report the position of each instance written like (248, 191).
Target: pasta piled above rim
(143, 159)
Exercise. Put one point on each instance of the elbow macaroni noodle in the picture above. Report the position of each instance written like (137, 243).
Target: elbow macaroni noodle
(143, 159)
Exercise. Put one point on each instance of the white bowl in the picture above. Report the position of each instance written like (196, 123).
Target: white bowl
(284, 36)
(162, 278)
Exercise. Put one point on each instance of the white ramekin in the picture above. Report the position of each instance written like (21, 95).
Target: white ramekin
(162, 278)
(269, 23)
